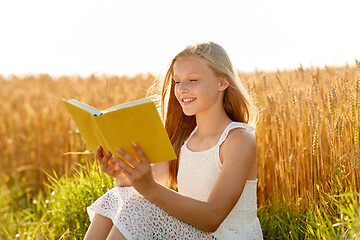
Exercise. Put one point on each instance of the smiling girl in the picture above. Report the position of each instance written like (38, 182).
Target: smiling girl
(206, 112)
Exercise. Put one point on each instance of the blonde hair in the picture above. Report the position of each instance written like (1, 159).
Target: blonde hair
(237, 102)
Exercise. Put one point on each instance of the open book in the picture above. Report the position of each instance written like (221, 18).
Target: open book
(120, 126)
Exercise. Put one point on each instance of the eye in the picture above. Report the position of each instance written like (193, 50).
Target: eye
(193, 80)
(175, 81)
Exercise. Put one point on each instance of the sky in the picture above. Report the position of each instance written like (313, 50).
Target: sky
(127, 37)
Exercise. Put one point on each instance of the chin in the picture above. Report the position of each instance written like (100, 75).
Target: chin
(189, 114)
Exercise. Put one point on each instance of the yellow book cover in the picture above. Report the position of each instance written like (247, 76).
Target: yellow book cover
(120, 126)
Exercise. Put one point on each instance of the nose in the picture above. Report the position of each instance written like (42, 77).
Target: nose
(183, 87)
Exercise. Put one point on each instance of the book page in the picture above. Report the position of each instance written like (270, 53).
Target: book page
(86, 107)
(125, 105)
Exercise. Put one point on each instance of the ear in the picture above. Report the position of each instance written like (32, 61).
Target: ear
(223, 84)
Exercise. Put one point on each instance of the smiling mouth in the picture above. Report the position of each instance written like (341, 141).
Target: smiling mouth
(188, 100)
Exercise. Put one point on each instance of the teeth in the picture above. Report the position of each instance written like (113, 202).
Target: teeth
(188, 99)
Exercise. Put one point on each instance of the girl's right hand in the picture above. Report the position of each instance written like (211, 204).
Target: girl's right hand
(111, 168)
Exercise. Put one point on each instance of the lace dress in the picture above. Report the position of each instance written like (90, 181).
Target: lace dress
(138, 218)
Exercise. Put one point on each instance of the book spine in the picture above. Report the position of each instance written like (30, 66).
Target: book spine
(105, 145)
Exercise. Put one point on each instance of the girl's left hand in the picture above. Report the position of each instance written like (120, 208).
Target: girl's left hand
(140, 175)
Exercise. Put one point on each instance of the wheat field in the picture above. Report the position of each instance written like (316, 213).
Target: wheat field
(308, 130)
(36, 131)
(307, 135)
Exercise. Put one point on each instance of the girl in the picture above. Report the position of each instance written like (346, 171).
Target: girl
(207, 112)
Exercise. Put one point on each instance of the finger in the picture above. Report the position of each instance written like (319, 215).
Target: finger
(131, 173)
(124, 166)
(141, 155)
(111, 169)
(99, 153)
(133, 162)
(119, 172)
(105, 161)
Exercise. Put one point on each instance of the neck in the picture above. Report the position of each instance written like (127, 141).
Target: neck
(212, 124)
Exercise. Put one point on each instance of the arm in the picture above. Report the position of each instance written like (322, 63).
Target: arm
(239, 157)
(160, 172)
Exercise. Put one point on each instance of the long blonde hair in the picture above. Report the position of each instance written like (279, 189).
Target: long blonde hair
(237, 102)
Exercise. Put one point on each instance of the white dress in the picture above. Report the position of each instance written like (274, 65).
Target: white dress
(138, 218)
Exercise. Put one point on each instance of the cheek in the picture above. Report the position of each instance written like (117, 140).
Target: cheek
(177, 97)
(176, 93)
(209, 98)
(207, 92)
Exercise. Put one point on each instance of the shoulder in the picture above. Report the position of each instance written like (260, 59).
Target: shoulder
(240, 137)
(239, 144)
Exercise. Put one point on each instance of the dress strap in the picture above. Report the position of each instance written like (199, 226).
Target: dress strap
(190, 135)
(233, 125)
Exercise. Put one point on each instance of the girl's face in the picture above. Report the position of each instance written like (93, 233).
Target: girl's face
(197, 88)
